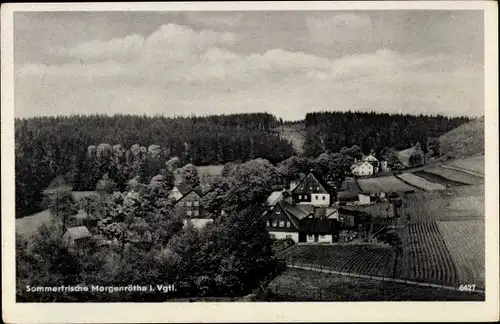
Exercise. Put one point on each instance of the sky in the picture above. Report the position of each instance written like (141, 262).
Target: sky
(287, 63)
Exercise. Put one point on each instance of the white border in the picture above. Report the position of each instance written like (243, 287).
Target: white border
(252, 312)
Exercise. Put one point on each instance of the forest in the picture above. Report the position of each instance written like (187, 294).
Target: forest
(330, 131)
(47, 147)
(84, 149)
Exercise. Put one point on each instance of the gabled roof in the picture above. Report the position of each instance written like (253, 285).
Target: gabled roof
(359, 166)
(78, 232)
(318, 178)
(196, 190)
(370, 158)
(183, 188)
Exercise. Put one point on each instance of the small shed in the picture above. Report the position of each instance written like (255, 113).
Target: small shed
(76, 236)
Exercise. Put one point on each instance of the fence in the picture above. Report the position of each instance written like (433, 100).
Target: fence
(291, 263)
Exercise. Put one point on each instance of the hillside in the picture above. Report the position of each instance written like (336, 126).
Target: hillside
(295, 134)
(465, 140)
(334, 130)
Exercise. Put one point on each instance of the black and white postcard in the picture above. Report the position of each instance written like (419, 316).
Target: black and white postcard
(300, 161)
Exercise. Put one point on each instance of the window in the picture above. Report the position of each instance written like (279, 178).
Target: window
(309, 237)
(322, 236)
(196, 213)
(282, 223)
(288, 236)
(275, 223)
(288, 224)
(189, 213)
(316, 197)
(310, 188)
(268, 224)
(188, 203)
(196, 203)
(181, 203)
(278, 212)
(324, 198)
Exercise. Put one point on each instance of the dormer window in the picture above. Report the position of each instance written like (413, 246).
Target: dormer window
(275, 223)
(278, 212)
(268, 224)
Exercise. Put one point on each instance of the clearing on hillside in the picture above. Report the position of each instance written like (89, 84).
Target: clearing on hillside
(384, 184)
(419, 182)
(213, 170)
(465, 140)
(471, 163)
(465, 242)
(29, 224)
(295, 134)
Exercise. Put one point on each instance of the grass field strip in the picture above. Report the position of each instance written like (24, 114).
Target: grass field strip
(389, 279)
(474, 173)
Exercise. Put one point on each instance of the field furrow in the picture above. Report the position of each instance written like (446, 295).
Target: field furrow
(465, 241)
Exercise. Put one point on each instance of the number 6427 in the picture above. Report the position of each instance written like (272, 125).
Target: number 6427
(467, 287)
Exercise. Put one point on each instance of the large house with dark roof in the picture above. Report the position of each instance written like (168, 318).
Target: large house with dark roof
(303, 223)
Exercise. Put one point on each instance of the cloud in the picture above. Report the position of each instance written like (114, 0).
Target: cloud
(178, 70)
(171, 40)
(340, 28)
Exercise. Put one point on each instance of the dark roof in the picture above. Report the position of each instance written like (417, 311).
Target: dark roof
(197, 190)
(294, 212)
(318, 225)
(318, 178)
(184, 189)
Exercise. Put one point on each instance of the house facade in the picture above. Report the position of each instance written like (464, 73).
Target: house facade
(303, 225)
(363, 169)
(312, 191)
(189, 208)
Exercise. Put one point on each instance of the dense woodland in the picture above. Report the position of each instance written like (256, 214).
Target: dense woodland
(330, 131)
(51, 146)
(84, 149)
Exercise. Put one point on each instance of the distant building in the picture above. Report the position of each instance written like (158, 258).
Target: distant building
(363, 169)
(189, 208)
(364, 199)
(383, 166)
(76, 236)
(312, 190)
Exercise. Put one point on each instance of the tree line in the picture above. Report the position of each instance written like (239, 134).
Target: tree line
(330, 131)
(49, 146)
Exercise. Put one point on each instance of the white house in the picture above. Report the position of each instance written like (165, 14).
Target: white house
(312, 190)
(364, 199)
(383, 166)
(364, 169)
